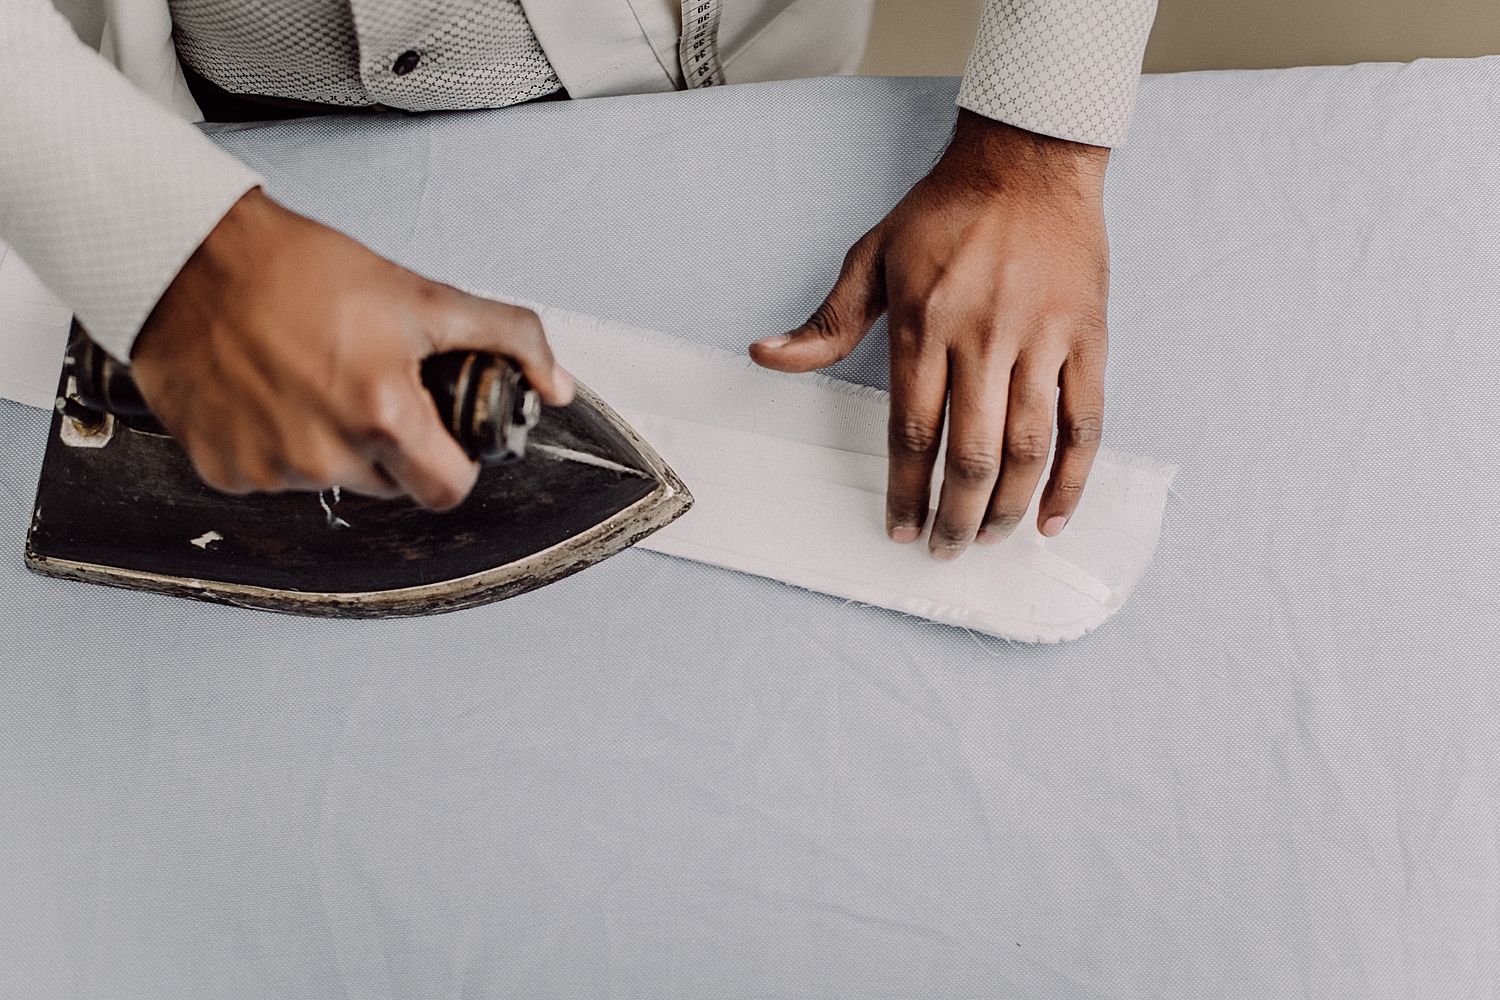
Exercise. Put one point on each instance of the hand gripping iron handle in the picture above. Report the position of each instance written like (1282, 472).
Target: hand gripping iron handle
(482, 398)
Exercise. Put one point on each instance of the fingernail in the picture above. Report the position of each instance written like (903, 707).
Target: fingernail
(946, 553)
(905, 533)
(1054, 525)
(561, 380)
(780, 340)
(988, 537)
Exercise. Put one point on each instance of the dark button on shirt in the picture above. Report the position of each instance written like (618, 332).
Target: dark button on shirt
(413, 56)
(406, 62)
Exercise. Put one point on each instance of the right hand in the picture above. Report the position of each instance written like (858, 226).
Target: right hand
(286, 356)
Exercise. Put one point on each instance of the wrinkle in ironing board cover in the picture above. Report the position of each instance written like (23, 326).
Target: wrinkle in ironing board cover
(789, 472)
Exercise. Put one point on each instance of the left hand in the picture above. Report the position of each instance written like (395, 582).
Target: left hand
(995, 270)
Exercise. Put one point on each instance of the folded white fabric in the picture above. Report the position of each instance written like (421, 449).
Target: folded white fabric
(788, 474)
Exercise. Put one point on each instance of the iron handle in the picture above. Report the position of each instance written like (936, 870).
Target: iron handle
(483, 399)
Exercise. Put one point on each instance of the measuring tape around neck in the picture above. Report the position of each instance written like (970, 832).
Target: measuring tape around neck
(698, 49)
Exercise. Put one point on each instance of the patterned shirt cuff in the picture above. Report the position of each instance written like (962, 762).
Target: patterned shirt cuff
(1064, 68)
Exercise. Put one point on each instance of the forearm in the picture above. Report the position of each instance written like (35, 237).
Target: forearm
(102, 191)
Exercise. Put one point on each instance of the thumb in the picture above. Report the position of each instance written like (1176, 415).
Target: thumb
(841, 322)
(464, 321)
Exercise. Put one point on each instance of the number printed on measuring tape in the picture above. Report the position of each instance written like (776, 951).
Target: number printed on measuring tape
(698, 49)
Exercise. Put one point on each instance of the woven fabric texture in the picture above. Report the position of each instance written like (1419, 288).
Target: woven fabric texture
(1064, 68)
(464, 54)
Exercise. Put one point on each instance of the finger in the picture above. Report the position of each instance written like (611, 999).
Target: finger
(1028, 441)
(407, 439)
(373, 481)
(323, 460)
(1080, 427)
(846, 315)
(919, 389)
(467, 321)
(217, 474)
(976, 430)
(362, 478)
(233, 458)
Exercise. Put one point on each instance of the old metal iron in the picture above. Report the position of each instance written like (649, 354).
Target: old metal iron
(559, 489)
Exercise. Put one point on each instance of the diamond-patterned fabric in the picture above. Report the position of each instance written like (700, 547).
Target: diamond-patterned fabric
(419, 57)
(1065, 68)
(102, 191)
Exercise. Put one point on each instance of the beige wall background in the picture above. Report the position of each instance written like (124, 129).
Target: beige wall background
(922, 37)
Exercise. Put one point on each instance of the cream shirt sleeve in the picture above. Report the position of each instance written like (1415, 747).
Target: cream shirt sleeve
(103, 192)
(1064, 68)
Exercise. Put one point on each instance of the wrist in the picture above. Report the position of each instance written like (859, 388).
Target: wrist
(995, 156)
(210, 272)
(249, 223)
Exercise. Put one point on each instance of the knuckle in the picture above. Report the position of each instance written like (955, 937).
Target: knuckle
(1027, 446)
(908, 333)
(264, 478)
(344, 311)
(1068, 490)
(906, 510)
(1063, 326)
(1088, 354)
(990, 337)
(972, 467)
(938, 305)
(214, 470)
(221, 479)
(526, 327)
(1003, 519)
(950, 535)
(1082, 430)
(912, 436)
(523, 341)
(864, 247)
(383, 410)
(1089, 328)
(854, 260)
(433, 294)
(1085, 339)
(313, 468)
(825, 320)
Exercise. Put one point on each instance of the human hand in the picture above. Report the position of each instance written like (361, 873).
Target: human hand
(994, 270)
(285, 355)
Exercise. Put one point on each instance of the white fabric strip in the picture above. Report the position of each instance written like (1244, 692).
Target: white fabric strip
(788, 474)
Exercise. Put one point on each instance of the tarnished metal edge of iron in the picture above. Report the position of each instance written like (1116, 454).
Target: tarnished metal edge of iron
(670, 500)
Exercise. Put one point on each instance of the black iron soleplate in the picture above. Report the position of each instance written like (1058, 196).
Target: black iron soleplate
(129, 514)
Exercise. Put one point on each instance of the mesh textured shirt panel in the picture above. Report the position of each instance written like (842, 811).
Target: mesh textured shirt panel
(1065, 68)
(469, 54)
